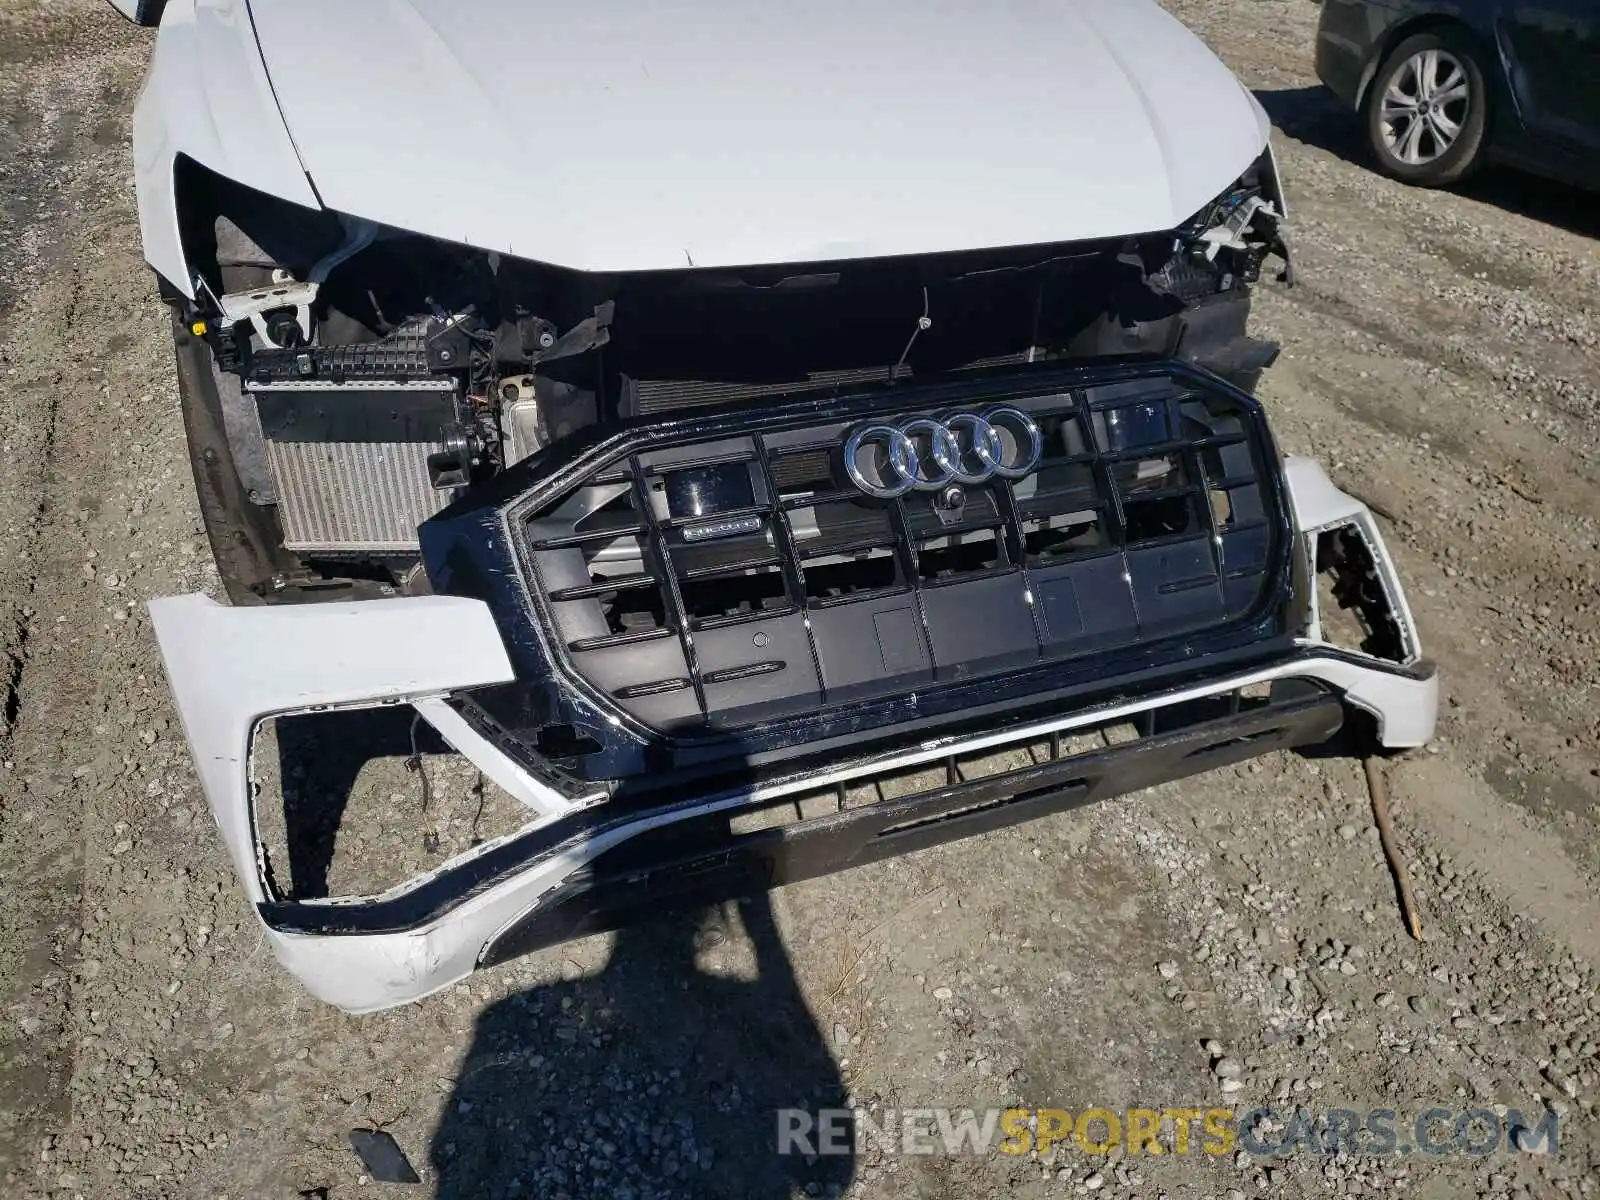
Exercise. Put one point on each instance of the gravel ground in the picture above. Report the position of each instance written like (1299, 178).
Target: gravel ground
(1232, 939)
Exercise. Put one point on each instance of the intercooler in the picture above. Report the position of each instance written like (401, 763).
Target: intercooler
(348, 497)
(350, 464)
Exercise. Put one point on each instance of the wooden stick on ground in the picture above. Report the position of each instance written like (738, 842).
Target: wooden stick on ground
(1378, 787)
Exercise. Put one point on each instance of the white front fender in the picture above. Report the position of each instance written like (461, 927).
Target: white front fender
(207, 98)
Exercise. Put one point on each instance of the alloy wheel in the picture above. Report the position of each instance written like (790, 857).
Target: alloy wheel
(1425, 107)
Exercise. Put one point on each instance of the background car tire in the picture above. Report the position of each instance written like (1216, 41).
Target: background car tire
(1423, 150)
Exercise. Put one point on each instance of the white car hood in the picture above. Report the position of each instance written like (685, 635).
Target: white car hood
(629, 135)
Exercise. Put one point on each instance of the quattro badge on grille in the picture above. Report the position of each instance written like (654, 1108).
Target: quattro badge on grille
(885, 460)
(731, 527)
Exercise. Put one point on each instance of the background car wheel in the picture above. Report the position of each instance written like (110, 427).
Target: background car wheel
(1427, 109)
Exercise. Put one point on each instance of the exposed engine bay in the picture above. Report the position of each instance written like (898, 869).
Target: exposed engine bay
(366, 376)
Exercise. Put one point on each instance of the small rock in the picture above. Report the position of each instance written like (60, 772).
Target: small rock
(1560, 1079)
(1095, 1182)
(1384, 1000)
(1227, 1068)
(942, 993)
(1348, 832)
(1528, 1141)
(1231, 1085)
(1419, 1005)
(1168, 969)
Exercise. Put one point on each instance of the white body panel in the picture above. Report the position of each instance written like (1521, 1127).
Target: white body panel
(231, 667)
(642, 136)
(206, 97)
(1320, 506)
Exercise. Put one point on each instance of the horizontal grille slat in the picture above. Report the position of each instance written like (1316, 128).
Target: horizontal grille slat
(734, 674)
(586, 539)
(619, 639)
(861, 597)
(655, 688)
(857, 546)
(741, 618)
(603, 587)
(814, 498)
(749, 564)
(1158, 448)
(732, 514)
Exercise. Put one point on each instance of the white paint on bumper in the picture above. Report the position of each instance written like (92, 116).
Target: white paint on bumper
(230, 668)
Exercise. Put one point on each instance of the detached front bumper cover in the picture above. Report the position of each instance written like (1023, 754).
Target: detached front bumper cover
(583, 862)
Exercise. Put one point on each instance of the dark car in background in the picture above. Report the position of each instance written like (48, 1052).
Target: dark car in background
(1443, 88)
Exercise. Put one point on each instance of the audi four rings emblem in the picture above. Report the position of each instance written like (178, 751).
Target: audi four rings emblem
(886, 460)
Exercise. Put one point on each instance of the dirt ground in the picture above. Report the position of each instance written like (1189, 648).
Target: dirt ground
(1440, 356)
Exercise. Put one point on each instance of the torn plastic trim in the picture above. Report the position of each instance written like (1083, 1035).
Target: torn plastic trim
(468, 742)
(1401, 699)
(231, 667)
(228, 666)
(1320, 507)
(376, 952)
(1273, 182)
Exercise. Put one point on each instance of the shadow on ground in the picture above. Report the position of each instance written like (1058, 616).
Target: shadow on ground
(319, 771)
(1312, 115)
(649, 1079)
(653, 1078)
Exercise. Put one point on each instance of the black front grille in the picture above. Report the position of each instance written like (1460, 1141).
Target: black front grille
(1149, 517)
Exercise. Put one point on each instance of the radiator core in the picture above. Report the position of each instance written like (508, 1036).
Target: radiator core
(353, 497)
(350, 463)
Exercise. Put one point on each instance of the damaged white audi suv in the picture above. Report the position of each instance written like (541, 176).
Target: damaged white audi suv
(755, 439)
